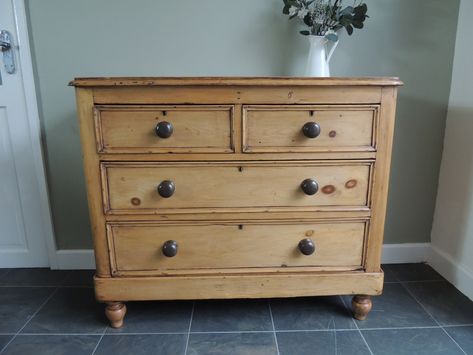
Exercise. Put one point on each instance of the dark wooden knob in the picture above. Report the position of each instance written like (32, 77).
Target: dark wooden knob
(311, 130)
(306, 246)
(164, 129)
(170, 248)
(166, 188)
(309, 186)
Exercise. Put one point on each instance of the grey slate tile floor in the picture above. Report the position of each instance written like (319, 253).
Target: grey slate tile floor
(54, 312)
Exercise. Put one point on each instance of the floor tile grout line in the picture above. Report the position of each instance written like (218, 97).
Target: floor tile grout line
(274, 328)
(189, 329)
(457, 325)
(420, 304)
(29, 320)
(402, 328)
(243, 331)
(335, 337)
(100, 339)
(84, 334)
(431, 316)
(313, 330)
(358, 328)
(456, 343)
(363, 338)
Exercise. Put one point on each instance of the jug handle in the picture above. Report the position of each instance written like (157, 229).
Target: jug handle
(334, 45)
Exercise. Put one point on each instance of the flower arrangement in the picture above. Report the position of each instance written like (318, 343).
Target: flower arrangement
(326, 17)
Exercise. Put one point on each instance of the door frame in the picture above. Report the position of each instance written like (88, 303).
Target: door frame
(46, 232)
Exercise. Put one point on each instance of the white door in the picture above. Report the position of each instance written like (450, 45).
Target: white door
(25, 224)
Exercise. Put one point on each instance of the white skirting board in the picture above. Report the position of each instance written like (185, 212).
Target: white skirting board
(405, 253)
(20, 258)
(446, 266)
(392, 254)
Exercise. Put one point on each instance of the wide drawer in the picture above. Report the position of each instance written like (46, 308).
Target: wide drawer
(327, 128)
(164, 129)
(137, 187)
(215, 246)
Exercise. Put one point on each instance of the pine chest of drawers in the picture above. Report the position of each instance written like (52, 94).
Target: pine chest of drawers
(203, 188)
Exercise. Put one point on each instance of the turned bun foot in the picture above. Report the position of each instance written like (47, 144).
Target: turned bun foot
(115, 312)
(361, 306)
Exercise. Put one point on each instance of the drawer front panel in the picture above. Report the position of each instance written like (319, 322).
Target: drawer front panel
(195, 129)
(133, 187)
(139, 247)
(337, 128)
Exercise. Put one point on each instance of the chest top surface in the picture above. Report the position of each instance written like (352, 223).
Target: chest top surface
(230, 81)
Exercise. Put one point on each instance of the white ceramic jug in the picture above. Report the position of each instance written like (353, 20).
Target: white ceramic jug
(318, 60)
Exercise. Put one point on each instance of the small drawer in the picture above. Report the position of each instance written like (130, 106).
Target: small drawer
(136, 247)
(293, 128)
(164, 129)
(149, 188)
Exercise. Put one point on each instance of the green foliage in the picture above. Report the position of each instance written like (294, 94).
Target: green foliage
(326, 17)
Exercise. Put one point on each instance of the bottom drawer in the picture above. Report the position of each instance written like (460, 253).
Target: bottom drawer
(139, 247)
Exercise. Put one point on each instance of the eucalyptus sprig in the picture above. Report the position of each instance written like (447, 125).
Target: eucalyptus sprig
(327, 17)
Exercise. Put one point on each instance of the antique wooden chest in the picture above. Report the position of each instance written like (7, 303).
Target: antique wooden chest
(204, 188)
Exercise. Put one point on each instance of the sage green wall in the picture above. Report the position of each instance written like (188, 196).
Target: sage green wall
(244, 37)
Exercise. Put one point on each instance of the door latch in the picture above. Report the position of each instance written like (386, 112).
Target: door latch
(7, 47)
